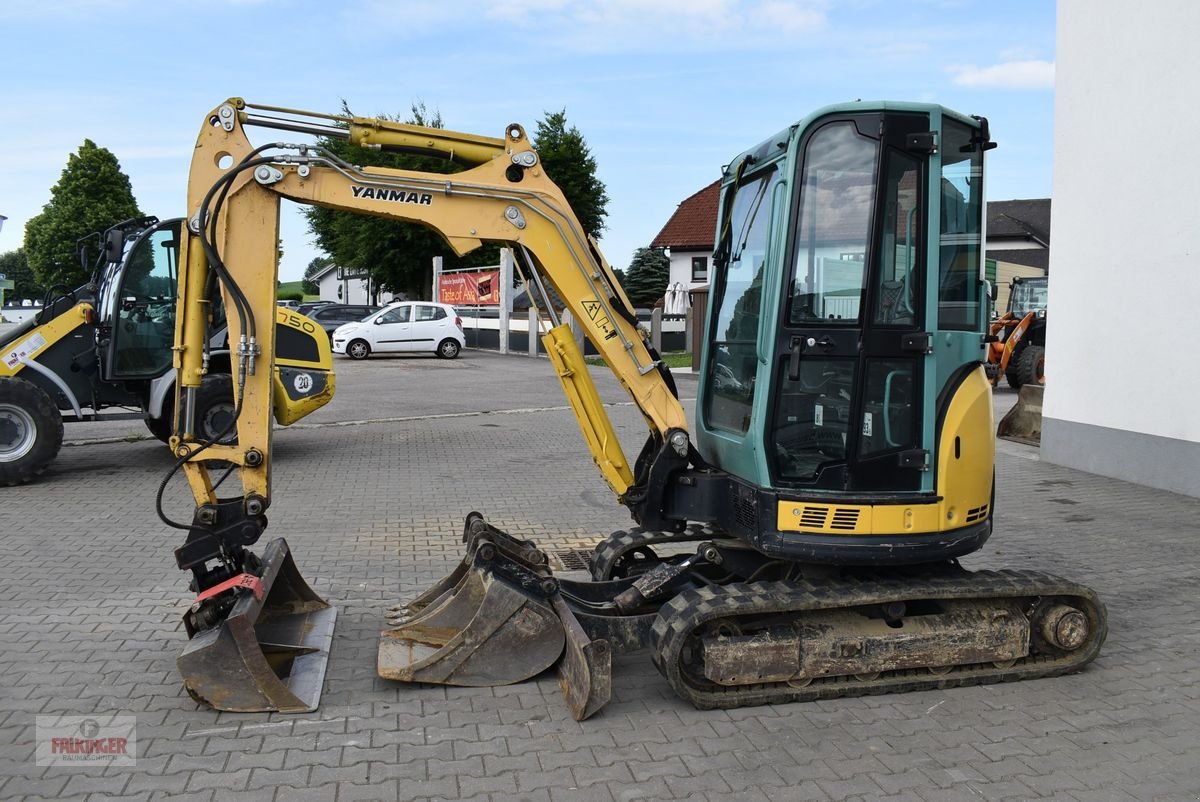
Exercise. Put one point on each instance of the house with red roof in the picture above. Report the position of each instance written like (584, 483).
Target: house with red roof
(689, 237)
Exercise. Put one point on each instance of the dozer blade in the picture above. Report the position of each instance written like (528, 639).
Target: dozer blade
(585, 672)
(1023, 423)
(497, 626)
(269, 654)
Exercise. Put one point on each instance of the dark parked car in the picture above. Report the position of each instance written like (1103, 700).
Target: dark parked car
(331, 316)
(311, 306)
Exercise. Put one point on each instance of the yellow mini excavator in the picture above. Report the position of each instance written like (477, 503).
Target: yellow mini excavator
(842, 457)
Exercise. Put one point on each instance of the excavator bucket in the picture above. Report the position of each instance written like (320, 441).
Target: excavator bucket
(1023, 423)
(270, 652)
(496, 619)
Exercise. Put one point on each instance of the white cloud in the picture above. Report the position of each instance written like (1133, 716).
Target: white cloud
(619, 25)
(787, 17)
(1029, 74)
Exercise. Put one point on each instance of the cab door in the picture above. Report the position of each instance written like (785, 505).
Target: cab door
(138, 306)
(848, 385)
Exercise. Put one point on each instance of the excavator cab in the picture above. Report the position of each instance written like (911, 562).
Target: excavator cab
(847, 313)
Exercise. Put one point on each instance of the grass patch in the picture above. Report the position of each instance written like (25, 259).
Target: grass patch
(288, 287)
(676, 359)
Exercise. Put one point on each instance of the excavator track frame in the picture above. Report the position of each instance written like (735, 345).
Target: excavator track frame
(680, 618)
(609, 553)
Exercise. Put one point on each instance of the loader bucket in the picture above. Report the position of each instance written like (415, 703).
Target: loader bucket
(270, 653)
(496, 626)
(1023, 423)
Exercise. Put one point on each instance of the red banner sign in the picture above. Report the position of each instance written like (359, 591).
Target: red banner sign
(470, 289)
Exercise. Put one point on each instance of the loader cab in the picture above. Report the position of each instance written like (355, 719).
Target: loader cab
(137, 301)
(847, 298)
(1028, 295)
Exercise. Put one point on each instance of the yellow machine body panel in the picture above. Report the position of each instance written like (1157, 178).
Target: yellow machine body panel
(13, 356)
(966, 453)
(304, 378)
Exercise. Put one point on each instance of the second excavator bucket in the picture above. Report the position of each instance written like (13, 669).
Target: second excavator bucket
(269, 654)
(498, 618)
(1023, 423)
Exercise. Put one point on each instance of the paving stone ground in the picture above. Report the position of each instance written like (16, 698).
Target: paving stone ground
(90, 606)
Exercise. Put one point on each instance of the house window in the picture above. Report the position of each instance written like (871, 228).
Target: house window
(699, 268)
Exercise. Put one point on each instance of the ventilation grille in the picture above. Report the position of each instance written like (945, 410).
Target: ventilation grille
(745, 511)
(814, 517)
(846, 520)
(829, 519)
(977, 514)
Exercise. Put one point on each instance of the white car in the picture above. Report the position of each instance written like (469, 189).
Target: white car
(406, 326)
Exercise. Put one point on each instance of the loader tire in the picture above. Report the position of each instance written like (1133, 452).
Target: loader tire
(215, 410)
(1012, 373)
(31, 431)
(1031, 367)
(161, 427)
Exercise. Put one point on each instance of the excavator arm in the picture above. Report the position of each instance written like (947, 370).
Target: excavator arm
(234, 193)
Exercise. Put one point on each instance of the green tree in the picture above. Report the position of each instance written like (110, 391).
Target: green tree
(16, 268)
(647, 277)
(398, 256)
(91, 194)
(569, 163)
(318, 264)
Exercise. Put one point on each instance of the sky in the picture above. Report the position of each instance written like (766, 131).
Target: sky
(665, 92)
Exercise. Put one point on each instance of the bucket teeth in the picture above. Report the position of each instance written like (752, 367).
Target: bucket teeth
(268, 654)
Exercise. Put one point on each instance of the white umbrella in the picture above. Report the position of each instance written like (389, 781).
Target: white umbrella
(677, 301)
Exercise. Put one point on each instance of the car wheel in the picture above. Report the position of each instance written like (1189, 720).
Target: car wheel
(448, 348)
(31, 431)
(358, 349)
(215, 410)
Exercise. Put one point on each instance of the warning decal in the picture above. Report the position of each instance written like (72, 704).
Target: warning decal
(595, 312)
(24, 350)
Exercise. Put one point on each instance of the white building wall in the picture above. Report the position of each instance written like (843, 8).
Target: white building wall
(1122, 394)
(681, 267)
(354, 290)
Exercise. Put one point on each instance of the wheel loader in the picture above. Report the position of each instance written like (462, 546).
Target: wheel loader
(840, 463)
(1017, 347)
(107, 345)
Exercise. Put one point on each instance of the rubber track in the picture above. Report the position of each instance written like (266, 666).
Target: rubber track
(690, 609)
(610, 550)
